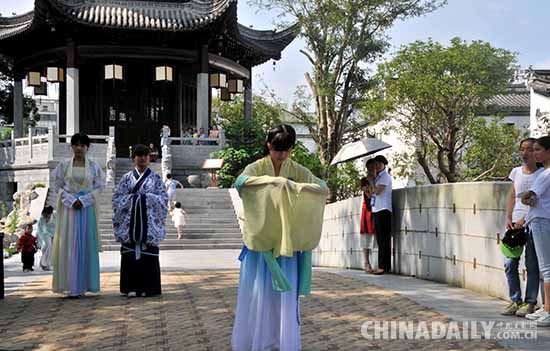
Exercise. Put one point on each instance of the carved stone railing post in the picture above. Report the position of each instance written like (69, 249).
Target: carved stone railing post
(165, 142)
(12, 146)
(30, 143)
(52, 140)
(111, 159)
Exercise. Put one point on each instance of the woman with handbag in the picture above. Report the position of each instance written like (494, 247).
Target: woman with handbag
(522, 178)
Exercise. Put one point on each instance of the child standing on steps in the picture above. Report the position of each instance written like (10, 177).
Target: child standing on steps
(27, 246)
(178, 217)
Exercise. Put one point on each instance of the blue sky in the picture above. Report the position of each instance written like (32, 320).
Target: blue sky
(511, 24)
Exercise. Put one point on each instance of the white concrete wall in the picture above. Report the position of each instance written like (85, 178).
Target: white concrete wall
(438, 233)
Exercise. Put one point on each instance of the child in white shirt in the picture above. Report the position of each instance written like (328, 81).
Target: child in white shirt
(178, 217)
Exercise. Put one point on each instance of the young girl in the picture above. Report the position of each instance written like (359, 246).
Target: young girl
(171, 188)
(178, 217)
(27, 246)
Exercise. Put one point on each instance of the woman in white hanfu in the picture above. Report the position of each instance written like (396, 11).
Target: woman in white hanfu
(78, 182)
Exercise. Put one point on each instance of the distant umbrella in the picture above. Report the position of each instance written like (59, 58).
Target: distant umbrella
(358, 149)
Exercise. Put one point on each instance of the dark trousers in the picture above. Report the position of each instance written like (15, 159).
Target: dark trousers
(28, 259)
(382, 227)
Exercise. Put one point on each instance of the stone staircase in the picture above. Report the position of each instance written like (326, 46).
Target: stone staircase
(211, 222)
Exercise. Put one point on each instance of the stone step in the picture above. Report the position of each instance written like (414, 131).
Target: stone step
(232, 231)
(184, 241)
(184, 247)
(190, 236)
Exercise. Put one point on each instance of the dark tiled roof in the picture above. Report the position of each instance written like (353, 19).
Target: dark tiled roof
(157, 15)
(541, 86)
(516, 99)
(267, 41)
(10, 26)
(153, 15)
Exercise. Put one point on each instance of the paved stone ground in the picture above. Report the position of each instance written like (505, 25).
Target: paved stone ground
(196, 312)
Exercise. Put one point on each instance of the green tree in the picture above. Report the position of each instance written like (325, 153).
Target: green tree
(435, 93)
(341, 38)
(245, 138)
(492, 152)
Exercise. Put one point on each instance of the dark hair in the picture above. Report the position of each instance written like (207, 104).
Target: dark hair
(47, 210)
(544, 142)
(281, 137)
(178, 205)
(530, 140)
(27, 226)
(168, 176)
(381, 159)
(370, 161)
(80, 139)
(140, 150)
(364, 182)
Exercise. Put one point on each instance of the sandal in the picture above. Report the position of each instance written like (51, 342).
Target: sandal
(368, 269)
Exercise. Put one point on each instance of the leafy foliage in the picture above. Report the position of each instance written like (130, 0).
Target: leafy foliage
(6, 97)
(342, 38)
(493, 151)
(435, 94)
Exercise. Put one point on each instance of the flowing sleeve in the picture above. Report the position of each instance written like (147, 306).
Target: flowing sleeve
(67, 198)
(122, 202)
(157, 210)
(98, 186)
(304, 175)
(250, 171)
(41, 231)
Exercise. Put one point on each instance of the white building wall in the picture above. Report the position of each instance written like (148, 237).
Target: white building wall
(540, 104)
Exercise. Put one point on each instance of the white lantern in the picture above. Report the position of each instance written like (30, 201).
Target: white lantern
(55, 74)
(225, 95)
(164, 73)
(113, 72)
(235, 86)
(33, 79)
(218, 80)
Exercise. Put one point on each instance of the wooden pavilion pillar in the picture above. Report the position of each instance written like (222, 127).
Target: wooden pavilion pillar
(203, 90)
(18, 105)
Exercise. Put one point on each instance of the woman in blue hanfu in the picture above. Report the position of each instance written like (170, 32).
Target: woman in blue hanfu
(78, 182)
(283, 209)
(140, 205)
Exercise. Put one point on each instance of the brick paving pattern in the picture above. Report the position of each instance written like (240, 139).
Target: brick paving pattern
(196, 312)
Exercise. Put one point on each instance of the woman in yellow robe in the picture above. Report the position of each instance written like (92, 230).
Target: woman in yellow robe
(276, 253)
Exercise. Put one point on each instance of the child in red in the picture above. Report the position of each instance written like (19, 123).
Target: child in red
(27, 246)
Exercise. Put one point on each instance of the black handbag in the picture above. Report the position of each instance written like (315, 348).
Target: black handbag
(515, 237)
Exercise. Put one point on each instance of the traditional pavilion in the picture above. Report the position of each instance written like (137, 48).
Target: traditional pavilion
(135, 65)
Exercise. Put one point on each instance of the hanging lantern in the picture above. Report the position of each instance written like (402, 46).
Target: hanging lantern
(218, 80)
(225, 95)
(55, 74)
(33, 79)
(235, 86)
(42, 89)
(164, 73)
(113, 72)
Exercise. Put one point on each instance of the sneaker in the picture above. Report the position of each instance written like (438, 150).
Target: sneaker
(536, 315)
(511, 309)
(525, 309)
(544, 320)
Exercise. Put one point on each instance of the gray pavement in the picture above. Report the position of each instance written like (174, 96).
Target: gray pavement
(456, 303)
